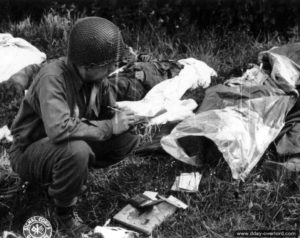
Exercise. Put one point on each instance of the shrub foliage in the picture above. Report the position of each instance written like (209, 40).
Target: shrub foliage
(258, 16)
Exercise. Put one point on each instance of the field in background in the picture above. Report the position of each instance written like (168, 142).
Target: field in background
(222, 205)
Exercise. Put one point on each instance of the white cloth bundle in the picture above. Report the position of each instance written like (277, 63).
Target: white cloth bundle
(162, 103)
(15, 54)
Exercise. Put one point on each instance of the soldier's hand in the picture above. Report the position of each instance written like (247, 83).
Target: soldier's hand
(122, 121)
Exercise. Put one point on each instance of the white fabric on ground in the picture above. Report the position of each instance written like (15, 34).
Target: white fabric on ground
(15, 54)
(163, 100)
(5, 134)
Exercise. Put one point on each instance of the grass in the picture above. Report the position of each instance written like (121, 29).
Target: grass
(222, 204)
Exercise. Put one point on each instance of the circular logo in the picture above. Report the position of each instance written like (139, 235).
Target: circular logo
(37, 227)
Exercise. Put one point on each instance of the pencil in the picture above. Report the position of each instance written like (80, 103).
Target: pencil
(114, 109)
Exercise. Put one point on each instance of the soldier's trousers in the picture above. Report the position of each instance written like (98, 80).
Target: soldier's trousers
(64, 166)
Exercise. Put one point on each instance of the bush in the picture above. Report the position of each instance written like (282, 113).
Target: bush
(257, 16)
